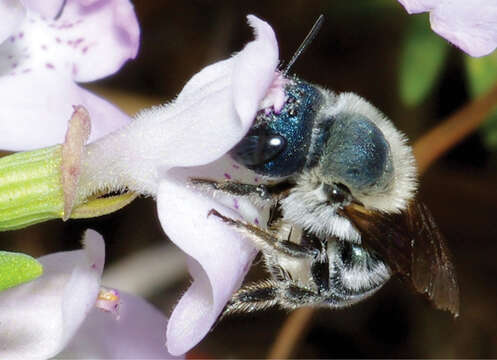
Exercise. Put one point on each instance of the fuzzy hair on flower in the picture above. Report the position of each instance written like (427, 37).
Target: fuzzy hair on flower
(158, 151)
(163, 147)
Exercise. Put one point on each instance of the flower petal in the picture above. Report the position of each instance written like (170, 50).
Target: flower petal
(198, 128)
(220, 257)
(100, 36)
(46, 8)
(138, 333)
(205, 113)
(12, 12)
(418, 6)
(40, 317)
(85, 43)
(471, 26)
(202, 116)
(43, 107)
(254, 70)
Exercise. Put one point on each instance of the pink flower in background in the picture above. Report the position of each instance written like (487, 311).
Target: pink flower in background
(469, 24)
(57, 311)
(46, 48)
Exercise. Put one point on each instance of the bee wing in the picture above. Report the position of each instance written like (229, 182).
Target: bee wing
(412, 245)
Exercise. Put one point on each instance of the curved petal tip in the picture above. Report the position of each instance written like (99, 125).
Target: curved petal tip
(254, 70)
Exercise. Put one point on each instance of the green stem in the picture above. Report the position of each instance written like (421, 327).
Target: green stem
(30, 188)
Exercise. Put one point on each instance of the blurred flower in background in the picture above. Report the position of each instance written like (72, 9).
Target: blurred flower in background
(470, 25)
(58, 312)
(46, 48)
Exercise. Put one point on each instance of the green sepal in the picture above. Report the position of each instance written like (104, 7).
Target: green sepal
(17, 268)
(30, 188)
(422, 59)
(102, 205)
(31, 191)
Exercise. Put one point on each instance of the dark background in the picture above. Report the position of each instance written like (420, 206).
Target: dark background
(358, 50)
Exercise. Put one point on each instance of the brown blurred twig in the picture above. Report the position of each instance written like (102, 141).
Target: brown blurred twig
(294, 327)
(427, 149)
(440, 139)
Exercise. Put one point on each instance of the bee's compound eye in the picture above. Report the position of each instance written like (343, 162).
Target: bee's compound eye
(337, 193)
(258, 149)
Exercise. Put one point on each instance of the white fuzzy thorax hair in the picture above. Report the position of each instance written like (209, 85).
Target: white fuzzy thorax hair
(395, 197)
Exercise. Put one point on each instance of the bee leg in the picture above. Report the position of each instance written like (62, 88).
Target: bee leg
(268, 241)
(259, 191)
(296, 296)
(253, 297)
(316, 250)
(320, 271)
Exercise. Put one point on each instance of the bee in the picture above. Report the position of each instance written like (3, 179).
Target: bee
(344, 217)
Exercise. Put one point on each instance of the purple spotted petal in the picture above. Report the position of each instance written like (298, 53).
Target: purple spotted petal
(84, 43)
(41, 117)
(46, 8)
(12, 14)
(469, 25)
(138, 333)
(98, 37)
(41, 58)
(39, 318)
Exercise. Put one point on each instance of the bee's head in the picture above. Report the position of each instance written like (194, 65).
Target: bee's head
(279, 142)
(352, 149)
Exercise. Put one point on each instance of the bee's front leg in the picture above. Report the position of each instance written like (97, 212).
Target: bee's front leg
(257, 192)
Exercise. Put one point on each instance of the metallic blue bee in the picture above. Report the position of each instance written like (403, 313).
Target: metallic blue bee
(343, 214)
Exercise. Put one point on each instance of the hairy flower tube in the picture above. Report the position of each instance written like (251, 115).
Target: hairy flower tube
(469, 25)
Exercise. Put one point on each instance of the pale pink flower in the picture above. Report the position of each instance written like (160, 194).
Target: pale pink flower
(470, 25)
(46, 47)
(157, 152)
(57, 312)
(42, 58)
(163, 147)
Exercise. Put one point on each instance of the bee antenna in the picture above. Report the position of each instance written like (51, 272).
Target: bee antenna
(308, 39)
